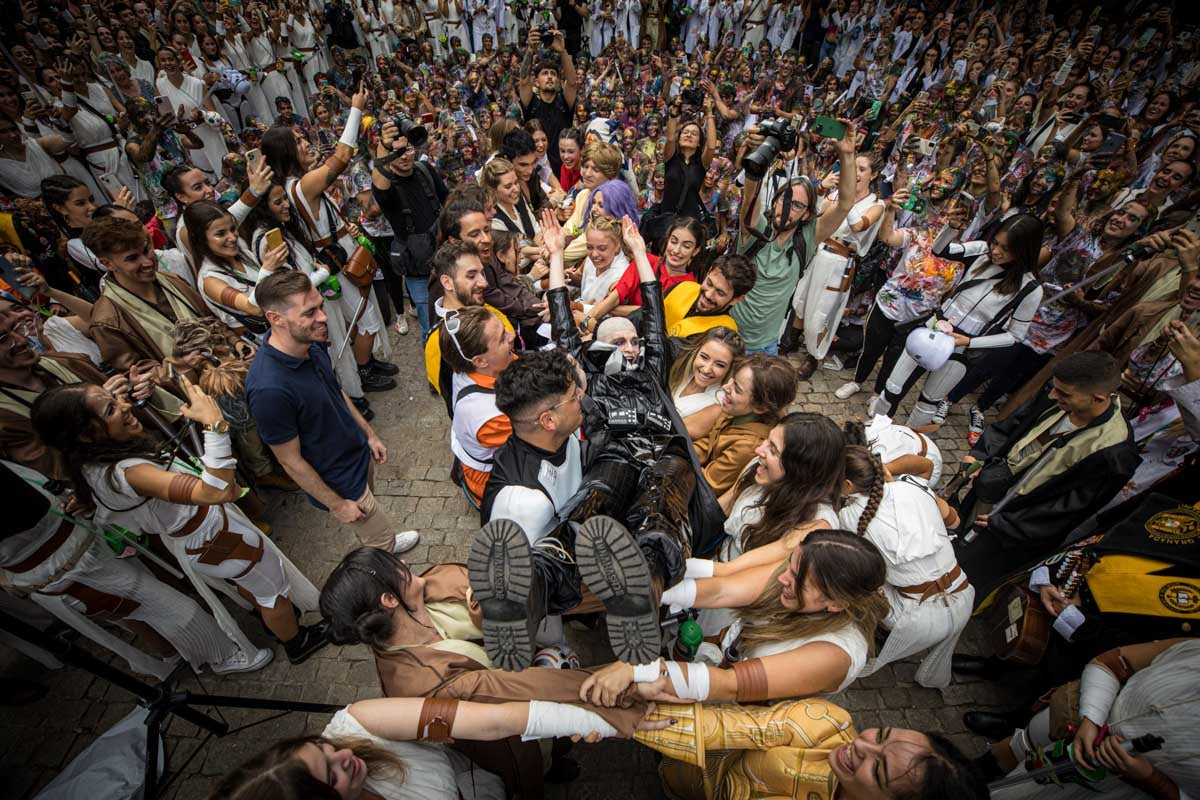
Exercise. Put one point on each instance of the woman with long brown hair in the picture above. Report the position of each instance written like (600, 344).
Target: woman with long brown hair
(697, 374)
(803, 627)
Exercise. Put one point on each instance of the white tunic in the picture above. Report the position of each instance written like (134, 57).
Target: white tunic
(24, 178)
(190, 94)
(848, 638)
(690, 404)
(593, 286)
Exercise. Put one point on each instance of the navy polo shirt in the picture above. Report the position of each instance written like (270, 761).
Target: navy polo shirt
(300, 397)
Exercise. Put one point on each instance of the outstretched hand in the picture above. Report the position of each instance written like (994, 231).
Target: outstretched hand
(632, 236)
(552, 232)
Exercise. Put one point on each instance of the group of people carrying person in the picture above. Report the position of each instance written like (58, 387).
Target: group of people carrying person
(624, 268)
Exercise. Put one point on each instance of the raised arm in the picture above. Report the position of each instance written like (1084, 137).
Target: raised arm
(317, 180)
(831, 218)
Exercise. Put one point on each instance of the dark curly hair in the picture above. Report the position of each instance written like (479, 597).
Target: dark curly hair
(535, 378)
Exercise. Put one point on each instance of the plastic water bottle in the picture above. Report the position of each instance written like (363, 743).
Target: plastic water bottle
(687, 641)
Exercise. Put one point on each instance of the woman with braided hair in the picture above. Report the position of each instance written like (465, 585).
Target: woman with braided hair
(929, 594)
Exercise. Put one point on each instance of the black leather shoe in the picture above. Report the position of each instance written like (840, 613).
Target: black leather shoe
(989, 669)
(991, 724)
(364, 407)
(383, 367)
(373, 381)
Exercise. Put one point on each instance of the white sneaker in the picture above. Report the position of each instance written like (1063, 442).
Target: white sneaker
(405, 540)
(847, 390)
(402, 325)
(833, 362)
(875, 407)
(241, 662)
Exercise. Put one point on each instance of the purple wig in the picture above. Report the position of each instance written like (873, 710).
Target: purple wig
(618, 201)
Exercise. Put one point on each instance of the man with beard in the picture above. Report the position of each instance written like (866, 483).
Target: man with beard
(310, 424)
(458, 267)
(781, 246)
(545, 96)
(692, 308)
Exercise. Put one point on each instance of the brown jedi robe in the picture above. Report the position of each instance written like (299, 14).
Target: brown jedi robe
(122, 340)
(1128, 331)
(18, 442)
(423, 671)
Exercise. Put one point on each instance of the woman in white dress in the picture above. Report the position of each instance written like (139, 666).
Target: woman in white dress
(695, 29)
(275, 211)
(190, 99)
(697, 376)
(25, 161)
(260, 49)
(930, 596)
(606, 262)
(821, 296)
(227, 275)
(302, 34)
(114, 463)
(802, 627)
(91, 110)
(139, 69)
(333, 239)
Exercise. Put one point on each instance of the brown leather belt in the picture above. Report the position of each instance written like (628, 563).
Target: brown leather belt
(193, 524)
(46, 549)
(930, 588)
(226, 545)
(834, 246)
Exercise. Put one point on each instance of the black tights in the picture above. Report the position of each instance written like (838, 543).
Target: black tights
(1003, 370)
(881, 337)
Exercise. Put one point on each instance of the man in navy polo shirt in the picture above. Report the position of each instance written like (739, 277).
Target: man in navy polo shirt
(309, 423)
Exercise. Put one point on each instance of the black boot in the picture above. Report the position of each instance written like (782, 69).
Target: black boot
(659, 516)
(614, 568)
(988, 766)
(309, 640)
(373, 381)
(989, 669)
(510, 595)
(792, 339)
(995, 725)
(383, 367)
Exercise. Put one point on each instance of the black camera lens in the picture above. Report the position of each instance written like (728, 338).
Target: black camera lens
(415, 133)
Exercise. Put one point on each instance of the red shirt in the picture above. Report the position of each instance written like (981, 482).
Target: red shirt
(629, 288)
(567, 177)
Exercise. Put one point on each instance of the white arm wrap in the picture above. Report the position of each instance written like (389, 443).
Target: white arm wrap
(695, 687)
(1039, 578)
(1068, 621)
(548, 720)
(318, 277)
(699, 568)
(1097, 690)
(218, 451)
(680, 596)
(209, 479)
(350, 132)
(647, 673)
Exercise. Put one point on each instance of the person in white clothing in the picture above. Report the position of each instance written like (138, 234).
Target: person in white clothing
(134, 484)
(25, 161)
(991, 305)
(699, 372)
(930, 596)
(802, 627)
(190, 99)
(823, 291)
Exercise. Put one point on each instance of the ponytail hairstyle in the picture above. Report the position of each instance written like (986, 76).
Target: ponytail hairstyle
(350, 597)
(865, 471)
(278, 773)
(56, 190)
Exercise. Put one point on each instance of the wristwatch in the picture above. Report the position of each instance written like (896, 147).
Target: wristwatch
(220, 426)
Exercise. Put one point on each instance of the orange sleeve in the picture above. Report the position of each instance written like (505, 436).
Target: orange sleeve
(495, 431)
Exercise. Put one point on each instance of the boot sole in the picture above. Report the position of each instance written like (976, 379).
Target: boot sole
(500, 566)
(613, 567)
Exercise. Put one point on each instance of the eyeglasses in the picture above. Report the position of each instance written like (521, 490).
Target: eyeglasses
(575, 397)
(799, 207)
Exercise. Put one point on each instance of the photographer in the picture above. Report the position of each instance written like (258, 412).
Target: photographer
(410, 194)
(548, 95)
(690, 148)
(779, 257)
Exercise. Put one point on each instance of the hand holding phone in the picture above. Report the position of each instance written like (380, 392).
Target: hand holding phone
(829, 128)
(274, 239)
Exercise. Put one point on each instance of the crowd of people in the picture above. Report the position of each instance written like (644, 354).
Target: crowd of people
(628, 235)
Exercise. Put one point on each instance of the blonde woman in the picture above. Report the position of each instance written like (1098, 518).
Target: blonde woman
(607, 260)
(697, 374)
(513, 212)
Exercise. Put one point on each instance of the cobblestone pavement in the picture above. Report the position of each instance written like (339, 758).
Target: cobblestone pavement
(38, 740)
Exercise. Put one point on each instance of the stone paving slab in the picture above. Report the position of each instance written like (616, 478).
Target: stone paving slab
(38, 740)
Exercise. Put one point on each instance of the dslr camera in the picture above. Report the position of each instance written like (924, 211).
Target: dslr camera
(779, 135)
(411, 129)
(691, 96)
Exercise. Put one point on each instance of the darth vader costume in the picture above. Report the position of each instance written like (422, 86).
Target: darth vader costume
(640, 471)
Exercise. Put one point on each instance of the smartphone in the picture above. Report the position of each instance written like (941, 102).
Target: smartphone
(356, 78)
(828, 127)
(925, 147)
(10, 275)
(1110, 121)
(966, 197)
(391, 95)
(1093, 32)
(972, 127)
(1113, 142)
(274, 238)
(252, 156)
(460, 119)
(163, 105)
(111, 183)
